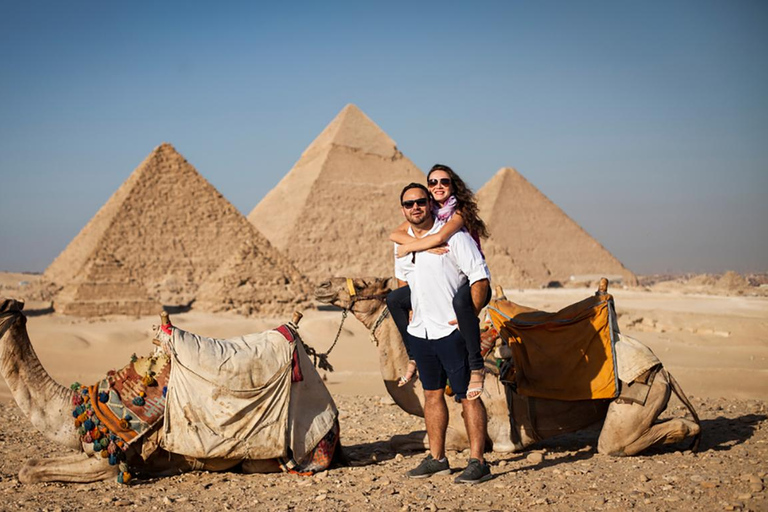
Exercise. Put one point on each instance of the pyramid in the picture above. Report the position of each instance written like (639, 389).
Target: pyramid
(161, 234)
(545, 244)
(246, 284)
(333, 212)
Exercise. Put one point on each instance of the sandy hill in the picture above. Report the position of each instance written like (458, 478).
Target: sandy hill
(160, 235)
(333, 212)
(544, 242)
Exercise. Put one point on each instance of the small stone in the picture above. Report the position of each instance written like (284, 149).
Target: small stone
(755, 487)
(399, 457)
(535, 458)
(751, 478)
(643, 478)
(167, 500)
(122, 503)
(502, 463)
(744, 497)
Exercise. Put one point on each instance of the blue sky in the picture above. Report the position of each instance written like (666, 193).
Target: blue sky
(646, 122)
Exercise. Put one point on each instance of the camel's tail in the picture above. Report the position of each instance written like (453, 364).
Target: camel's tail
(681, 395)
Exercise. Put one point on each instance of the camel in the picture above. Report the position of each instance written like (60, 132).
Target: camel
(49, 407)
(515, 422)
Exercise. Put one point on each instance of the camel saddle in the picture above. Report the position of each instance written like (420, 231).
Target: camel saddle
(236, 398)
(567, 355)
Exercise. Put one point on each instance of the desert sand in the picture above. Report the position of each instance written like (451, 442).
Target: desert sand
(715, 345)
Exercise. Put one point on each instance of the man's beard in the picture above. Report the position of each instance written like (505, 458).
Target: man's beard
(425, 220)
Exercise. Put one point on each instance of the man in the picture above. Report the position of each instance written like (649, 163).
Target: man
(436, 345)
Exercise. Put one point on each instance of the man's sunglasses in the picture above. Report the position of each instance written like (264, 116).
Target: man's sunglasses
(443, 181)
(409, 204)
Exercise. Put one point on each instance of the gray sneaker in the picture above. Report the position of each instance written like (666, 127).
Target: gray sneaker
(428, 467)
(475, 473)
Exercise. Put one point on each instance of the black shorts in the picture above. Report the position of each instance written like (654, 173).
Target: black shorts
(441, 360)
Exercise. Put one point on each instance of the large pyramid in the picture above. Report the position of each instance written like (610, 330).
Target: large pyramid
(160, 235)
(544, 242)
(333, 212)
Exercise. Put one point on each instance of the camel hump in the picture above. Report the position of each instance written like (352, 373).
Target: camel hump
(11, 305)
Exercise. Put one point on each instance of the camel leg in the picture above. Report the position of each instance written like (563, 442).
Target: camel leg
(261, 466)
(79, 468)
(418, 441)
(626, 422)
(630, 428)
(412, 442)
(666, 432)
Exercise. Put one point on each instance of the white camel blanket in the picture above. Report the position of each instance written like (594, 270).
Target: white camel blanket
(633, 358)
(228, 398)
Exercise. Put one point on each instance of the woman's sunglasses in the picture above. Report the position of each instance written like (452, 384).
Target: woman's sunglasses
(443, 181)
(409, 204)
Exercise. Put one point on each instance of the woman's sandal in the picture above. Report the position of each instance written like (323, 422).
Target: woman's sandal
(476, 384)
(410, 371)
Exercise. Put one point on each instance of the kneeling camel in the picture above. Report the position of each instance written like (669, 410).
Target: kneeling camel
(49, 407)
(514, 421)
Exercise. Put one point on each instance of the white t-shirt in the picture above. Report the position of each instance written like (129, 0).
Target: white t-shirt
(434, 280)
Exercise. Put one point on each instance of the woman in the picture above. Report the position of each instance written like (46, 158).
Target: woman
(455, 205)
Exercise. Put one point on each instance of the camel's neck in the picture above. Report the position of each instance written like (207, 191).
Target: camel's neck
(46, 403)
(393, 360)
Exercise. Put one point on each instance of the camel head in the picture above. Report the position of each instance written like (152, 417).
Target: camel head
(10, 309)
(7, 305)
(363, 296)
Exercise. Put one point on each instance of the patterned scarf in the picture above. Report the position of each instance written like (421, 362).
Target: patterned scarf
(447, 210)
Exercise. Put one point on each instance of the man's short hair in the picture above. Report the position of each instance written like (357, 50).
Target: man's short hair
(414, 185)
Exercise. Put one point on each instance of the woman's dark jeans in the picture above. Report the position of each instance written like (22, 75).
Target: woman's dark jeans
(399, 304)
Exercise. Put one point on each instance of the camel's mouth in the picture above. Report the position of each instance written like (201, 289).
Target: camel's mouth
(325, 293)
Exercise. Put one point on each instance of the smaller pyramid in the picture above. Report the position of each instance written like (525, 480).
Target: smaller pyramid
(160, 235)
(332, 213)
(544, 242)
(243, 283)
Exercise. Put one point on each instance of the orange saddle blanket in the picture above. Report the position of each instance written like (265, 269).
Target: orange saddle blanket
(568, 355)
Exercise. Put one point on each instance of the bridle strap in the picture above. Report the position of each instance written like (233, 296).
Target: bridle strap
(353, 298)
(351, 289)
(382, 316)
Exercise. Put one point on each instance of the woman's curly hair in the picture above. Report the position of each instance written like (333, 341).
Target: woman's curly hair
(465, 201)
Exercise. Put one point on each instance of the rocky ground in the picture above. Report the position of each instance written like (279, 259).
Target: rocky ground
(727, 474)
